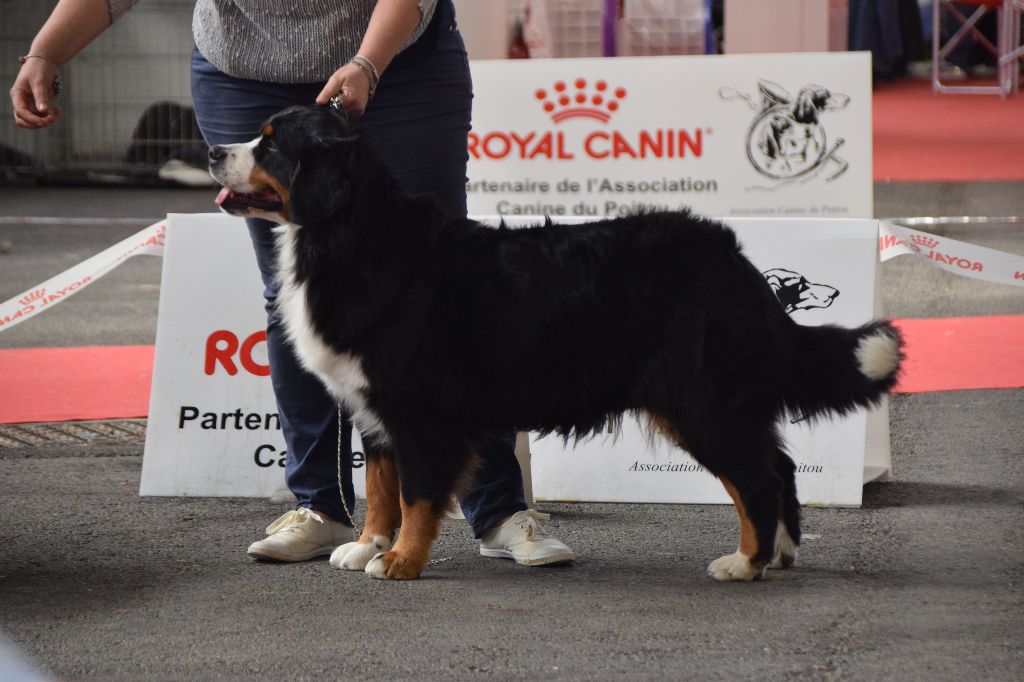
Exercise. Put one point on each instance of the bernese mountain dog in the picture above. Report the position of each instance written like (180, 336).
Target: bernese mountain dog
(432, 330)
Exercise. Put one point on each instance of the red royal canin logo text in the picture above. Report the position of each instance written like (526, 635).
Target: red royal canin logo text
(224, 346)
(596, 101)
(926, 246)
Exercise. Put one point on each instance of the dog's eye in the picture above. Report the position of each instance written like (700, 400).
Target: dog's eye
(271, 145)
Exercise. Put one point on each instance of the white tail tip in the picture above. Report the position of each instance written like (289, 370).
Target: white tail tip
(878, 355)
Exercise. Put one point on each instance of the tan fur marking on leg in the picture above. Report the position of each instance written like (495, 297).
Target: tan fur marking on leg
(748, 536)
(420, 524)
(383, 504)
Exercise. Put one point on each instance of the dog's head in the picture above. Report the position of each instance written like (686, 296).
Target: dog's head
(297, 171)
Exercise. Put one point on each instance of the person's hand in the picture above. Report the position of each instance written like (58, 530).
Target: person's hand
(32, 94)
(353, 86)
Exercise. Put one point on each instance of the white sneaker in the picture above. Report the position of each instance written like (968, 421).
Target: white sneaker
(300, 535)
(523, 539)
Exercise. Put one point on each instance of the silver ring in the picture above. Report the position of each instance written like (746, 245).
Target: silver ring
(337, 100)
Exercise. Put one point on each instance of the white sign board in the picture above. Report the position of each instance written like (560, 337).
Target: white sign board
(732, 135)
(827, 273)
(213, 427)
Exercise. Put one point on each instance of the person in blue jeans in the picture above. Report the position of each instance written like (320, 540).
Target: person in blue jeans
(404, 76)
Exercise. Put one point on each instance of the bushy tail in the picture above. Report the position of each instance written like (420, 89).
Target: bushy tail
(838, 370)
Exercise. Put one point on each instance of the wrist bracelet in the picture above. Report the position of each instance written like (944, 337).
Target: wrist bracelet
(360, 59)
(22, 60)
(58, 83)
(369, 69)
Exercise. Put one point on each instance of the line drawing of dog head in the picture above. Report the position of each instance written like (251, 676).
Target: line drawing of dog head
(796, 292)
(809, 102)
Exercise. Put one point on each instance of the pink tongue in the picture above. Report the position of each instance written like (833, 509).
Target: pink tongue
(223, 196)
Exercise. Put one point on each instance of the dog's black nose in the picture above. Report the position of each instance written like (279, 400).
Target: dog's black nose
(217, 153)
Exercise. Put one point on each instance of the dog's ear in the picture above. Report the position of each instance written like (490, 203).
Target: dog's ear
(773, 93)
(320, 186)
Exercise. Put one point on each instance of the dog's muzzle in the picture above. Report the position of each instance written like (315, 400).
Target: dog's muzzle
(238, 196)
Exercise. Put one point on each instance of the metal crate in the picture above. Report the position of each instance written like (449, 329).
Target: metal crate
(126, 101)
(663, 27)
(577, 27)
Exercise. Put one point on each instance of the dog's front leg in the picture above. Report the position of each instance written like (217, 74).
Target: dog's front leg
(430, 465)
(421, 522)
(383, 514)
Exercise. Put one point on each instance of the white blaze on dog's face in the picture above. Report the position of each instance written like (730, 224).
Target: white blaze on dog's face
(236, 169)
(249, 190)
(296, 172)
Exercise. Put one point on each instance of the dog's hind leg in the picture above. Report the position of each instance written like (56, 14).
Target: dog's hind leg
(383, 514)
(787, 537)
(757, 543)
(744, 462)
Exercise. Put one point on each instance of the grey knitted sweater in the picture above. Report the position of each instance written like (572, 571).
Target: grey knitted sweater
(281, 41)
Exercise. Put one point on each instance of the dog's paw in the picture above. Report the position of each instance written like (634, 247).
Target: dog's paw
(785, 550)
(734, 566)
(392, 566)
(353, 556)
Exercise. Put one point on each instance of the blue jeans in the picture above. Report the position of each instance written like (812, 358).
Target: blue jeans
(418, 120)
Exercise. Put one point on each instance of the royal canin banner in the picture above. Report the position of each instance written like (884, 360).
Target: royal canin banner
(951, 255)
(60, 287)
(214, 430)
(737, 135)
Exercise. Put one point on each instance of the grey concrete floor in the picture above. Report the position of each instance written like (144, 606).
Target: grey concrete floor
(922, 583)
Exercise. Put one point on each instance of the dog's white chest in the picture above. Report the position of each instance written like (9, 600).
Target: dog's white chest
(341, 373)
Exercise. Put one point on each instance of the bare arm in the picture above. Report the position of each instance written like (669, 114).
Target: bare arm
(72, 25)
(391, 24)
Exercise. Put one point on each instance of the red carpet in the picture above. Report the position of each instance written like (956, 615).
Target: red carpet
(949, 354)
(920, 136)
(66, 384)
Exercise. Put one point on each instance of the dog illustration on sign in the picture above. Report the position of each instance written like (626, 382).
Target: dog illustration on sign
(786, 140)
(796, 292)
